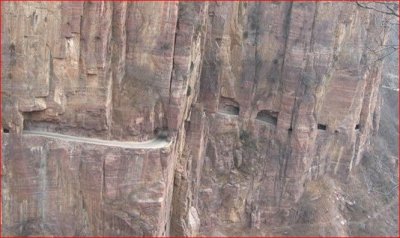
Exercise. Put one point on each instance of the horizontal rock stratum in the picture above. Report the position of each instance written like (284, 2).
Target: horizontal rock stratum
(190, 118)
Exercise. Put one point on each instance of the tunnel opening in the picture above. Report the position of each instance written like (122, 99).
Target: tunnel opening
(267, 116)
(357, 127)
(231, 110)
(161, 133)
(191, 66)
(228, 106)
(322, 127)
(6, 131)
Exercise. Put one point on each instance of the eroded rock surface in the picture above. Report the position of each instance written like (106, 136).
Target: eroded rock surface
(182, 118)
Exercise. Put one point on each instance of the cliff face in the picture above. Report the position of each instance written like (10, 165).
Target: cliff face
(183, 118)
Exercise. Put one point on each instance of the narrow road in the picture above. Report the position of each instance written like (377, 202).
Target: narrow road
(150, 144)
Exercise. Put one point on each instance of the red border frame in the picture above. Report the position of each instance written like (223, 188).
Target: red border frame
(1, 96)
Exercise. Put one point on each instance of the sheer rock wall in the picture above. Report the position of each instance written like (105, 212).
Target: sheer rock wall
(256, 100)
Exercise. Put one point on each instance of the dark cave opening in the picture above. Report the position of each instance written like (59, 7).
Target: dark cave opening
(268, 116)
(229, 106)
(232, 110)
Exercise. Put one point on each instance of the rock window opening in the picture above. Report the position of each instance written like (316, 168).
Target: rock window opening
(187, 125)
(161, 133)
(357, 127)
(322, 127)
(218, 41)
(232, 110)
(191, 66)
(229, 106)
(6, 131)
(267, 116)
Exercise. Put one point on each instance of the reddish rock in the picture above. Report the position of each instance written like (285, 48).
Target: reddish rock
(239, 109)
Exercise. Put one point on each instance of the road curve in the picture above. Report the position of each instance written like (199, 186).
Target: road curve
(150, 144)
